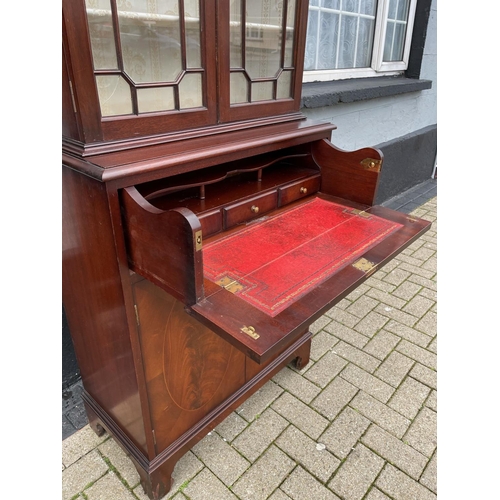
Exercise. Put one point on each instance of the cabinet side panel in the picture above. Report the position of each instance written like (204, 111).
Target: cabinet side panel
(94, 304)
(189, 369)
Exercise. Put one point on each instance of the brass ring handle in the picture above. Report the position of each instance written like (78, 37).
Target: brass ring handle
(303, 190)
(255, 209)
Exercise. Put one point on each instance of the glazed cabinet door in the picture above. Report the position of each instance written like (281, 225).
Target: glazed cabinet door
(139, 68)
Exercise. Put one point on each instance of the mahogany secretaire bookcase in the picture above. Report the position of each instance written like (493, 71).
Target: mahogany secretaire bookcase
(206, 222)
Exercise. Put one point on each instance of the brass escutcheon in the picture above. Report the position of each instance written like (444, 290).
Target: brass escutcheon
(255, 209)
(303, 190)
(250, 330)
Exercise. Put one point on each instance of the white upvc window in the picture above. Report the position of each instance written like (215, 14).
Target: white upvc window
(357, 38)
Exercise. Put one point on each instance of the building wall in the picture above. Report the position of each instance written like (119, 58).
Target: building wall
(394, 124)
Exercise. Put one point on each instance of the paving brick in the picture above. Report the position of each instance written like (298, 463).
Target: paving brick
(264, 476)
(358, 357)
(432, 401)
(380, 414)
(109, 487)
(419, 280)
(81, 473)
(433, 346)
(334, 398)
(279, 495)
(422, 432)
(206, 486)
(347, 334)
(429, 477)
(376, 494)
(399, 486)
(304, 450)
(341, 317)
(344, 432)
(357, 292)
(367, 382)
(319, 324)
(258, 402)
(79, 444)
(419, 271)
(418, 306)
(429, 294)
(254, 440)
(300, 415)
(394, 368)
(386, 298)
(395, 451)
(376, 282)
(356, 474)
(120, 461)
(381, 344)
(428, 324)
(225, 462)
(396, 314)
(410, 259)
(231, 426)
(409, 397)
(410, 334)
(430, 265)
(296, 384)
(425, 375)
(397, 276)
(300, 485)
(370, 325)
(185, 469)
(406, 290)
(325, 369)
(321, 343)
(423, 356)
(362, 306)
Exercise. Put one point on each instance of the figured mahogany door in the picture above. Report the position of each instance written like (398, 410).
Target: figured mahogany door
(189, 369)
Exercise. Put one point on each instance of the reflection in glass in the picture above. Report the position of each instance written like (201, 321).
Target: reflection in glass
(155, 99)
(262, 91)
(284, 85)
(289, 36)
(192, 24)
(190, 91)
(102, 36)
(396, 30)
(114, 95)
(235, 38)
(239, 88)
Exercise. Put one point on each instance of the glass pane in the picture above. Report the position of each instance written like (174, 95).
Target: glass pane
(102, 35)
(368, 7)
(239, 88)
(150, 38)
(190, 91)
(331, 4)
(402, 10)
(192, 23)
(347, 42)
(262, 91)
(395, 52)
(311, 40)
(290, 23)
(235, 38)
(155, 99)
(350, 5)
(114, 95)
(389, 36)
(285, 85)
(365, 42)
(328, 41)
(263, 37)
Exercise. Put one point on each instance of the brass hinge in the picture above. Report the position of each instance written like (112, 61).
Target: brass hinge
(198, 240)
(136, 314)
(355, 211)
(250, 330)
(230, 285)
(371, 164)
(72, 96)
(364, 265)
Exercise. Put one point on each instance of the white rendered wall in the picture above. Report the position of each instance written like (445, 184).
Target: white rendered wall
(374, 121)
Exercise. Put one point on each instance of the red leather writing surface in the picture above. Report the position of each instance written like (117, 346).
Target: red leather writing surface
(279, 259)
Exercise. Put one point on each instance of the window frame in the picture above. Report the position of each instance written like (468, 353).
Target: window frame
(377, 67)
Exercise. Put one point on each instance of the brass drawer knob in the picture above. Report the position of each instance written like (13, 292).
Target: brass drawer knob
(255, 209)
(303, 190)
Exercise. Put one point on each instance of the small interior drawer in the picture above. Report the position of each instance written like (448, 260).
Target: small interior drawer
(250, 209)
(298, 190)
(211, 222)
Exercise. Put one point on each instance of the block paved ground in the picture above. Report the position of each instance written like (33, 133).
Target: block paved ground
(357, 423)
